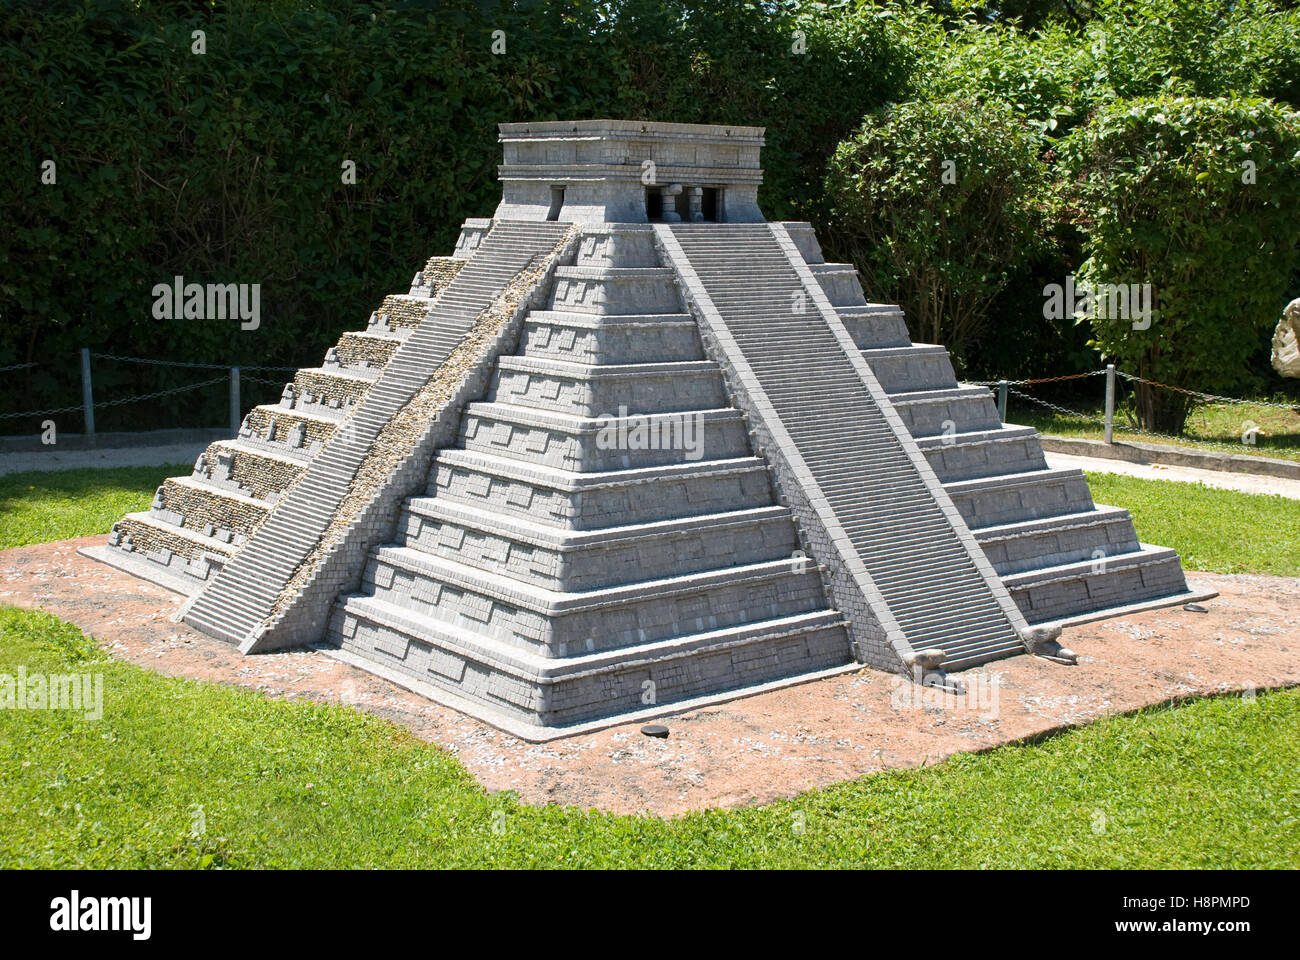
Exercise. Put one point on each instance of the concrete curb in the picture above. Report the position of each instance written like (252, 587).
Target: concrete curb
(113, 441)
(1134, 452)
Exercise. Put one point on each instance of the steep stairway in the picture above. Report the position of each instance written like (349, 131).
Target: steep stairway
(244, 594)
(197, 523)
(1061, 556)
(829, 420)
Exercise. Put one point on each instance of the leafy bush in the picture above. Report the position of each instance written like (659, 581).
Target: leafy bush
(1165, 193)
(1075, 60)
(937, 203)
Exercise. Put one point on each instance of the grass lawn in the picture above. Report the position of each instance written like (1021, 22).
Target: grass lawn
(1217, 427)
(46, 505)
(291, 784)
(1222, 531)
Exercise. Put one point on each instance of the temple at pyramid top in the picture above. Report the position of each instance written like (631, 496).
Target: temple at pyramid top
(630, 171)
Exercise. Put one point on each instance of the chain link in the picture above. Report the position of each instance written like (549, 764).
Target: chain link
(1052, 406)
(1207, 396)
(19, 366)
(1130, 427)
(179, 363)
(118, 403)
(39, 413)
(1030, 383)
(273, 383)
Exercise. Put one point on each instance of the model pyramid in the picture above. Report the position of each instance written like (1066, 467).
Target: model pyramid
(632, 448)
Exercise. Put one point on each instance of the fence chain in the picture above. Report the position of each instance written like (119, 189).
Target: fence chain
(1030, 383)
(270, 383)
(19, 366)
(1206, 396)
(1052, 406)
(117, 403)
(40, 413)
(179, 363)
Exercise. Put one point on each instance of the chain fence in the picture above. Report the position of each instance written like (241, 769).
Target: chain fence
(1016, 388)
(181, 363)
(234, 374)
(1249, 429)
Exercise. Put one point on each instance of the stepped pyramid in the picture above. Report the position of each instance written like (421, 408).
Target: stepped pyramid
(632, 448)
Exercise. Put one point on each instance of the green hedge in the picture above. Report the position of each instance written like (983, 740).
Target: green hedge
(225, 167)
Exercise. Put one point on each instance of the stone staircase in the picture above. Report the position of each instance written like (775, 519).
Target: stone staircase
(244, 595)
(862, 480)
(557, 572)
(196, 524)
(1061, 557)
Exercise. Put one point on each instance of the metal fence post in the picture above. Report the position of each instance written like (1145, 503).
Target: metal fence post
(1110, 403)
(87, 396)
(235, 407)
(1002, 401)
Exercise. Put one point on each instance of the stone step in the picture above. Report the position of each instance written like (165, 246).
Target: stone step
(250, 466)
(554, 624)
(617, 245)
(1017, 497)
(562, 559)
(402, 311)
(606, 339)
(184, 552)
(295, 429)
(589, 444)
(345, 385)
(594, 500)
(805, 238)
(435, 275)
(983, 453)
(1051, 541)
(918, 366)
(840, 283)
(615, 290)
(366, 349)
(961, 409)
(199, 506)
(554, 692)
(875, 325)
(1090, 587)
(588, 390)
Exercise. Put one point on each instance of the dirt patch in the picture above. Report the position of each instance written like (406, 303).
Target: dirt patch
(753, 750)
